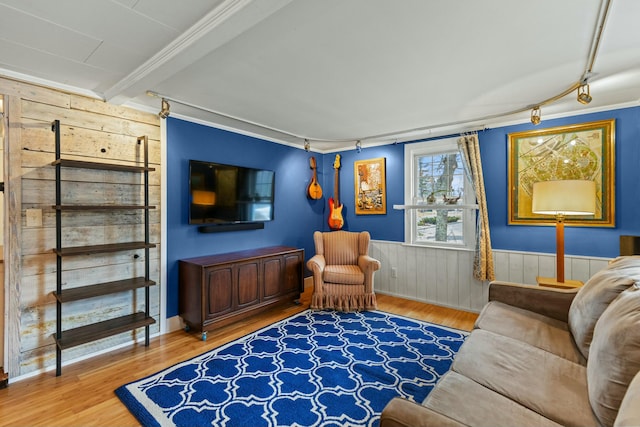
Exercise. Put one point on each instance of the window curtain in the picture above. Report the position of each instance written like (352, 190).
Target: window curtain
(483, 259)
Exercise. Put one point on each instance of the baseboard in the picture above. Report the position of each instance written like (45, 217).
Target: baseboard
(81, 358)
(174, 323)
(428, 301)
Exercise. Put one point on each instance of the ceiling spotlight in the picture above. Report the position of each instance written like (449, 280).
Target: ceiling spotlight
(164, 111)
(307, 146)
(358, 146)
(535, 115)
(583, 94)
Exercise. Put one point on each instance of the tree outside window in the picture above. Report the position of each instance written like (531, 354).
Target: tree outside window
(439, 183)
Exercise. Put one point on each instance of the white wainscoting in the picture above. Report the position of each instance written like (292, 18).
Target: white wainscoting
(445, 276)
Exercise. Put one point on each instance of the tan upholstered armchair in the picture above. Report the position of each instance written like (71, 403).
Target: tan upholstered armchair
(343, 271)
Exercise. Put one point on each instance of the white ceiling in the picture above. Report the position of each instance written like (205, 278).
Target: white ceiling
(332, 71)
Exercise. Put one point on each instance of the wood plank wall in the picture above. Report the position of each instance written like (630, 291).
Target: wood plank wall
(91, 130)
(445, 276)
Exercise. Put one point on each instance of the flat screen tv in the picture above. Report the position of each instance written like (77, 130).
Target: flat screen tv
(229, 194)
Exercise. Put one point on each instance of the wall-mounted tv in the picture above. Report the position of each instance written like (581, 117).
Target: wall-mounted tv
(222, 194)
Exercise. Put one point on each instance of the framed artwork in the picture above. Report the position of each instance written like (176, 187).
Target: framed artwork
(370, 188)
(582, 151)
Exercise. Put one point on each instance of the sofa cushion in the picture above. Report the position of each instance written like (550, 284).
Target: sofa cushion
(614, 357)
(548, 384)
(596, 295)
(629, 414)
(535, 329)
(400, 412)
(462, 399)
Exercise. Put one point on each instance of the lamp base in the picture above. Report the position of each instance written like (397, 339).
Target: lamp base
(553, 283)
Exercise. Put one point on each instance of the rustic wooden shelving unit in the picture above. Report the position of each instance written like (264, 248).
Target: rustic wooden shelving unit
(67, 338)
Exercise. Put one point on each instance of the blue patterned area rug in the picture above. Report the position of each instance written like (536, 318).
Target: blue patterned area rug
(316, 368)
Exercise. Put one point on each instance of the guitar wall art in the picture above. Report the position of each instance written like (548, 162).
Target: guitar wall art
(314, 191)
(336, 222)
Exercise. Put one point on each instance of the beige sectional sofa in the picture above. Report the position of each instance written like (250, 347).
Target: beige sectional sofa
(543, 356)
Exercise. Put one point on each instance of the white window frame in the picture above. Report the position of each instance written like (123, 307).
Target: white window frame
(467, 205)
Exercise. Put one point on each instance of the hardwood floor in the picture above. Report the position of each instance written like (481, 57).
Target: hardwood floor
(83, 395)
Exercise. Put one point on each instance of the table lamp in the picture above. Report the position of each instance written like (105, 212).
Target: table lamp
(563, 198)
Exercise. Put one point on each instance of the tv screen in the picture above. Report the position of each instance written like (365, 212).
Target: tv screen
(223, 194)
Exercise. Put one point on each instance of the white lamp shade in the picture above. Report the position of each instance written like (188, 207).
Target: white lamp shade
(564, 197)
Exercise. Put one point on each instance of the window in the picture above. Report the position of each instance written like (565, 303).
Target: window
(439, 199)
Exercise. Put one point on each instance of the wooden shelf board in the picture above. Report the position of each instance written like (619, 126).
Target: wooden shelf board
(100, 289)
(100, 166)
(95, 331)
(96, 249)
(99, 207)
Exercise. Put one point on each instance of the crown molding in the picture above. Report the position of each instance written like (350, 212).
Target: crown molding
(209, 33)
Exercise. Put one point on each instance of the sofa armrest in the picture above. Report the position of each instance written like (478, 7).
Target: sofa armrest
(551, 302)
(404, 413)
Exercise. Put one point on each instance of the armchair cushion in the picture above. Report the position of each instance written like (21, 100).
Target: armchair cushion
(346, 274)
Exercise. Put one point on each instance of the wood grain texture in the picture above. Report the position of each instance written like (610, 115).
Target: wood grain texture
(13, 233)
(92, 131)
(30, 91)
(84, 394)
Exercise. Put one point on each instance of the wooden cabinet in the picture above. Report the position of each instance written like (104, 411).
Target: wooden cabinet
(70, 337)
(216, 290)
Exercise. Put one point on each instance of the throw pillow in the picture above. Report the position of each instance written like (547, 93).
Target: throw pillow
(596, 295)
(614, 357)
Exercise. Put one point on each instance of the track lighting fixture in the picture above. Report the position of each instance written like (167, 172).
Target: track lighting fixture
(307, 146)
(535, 115)
(583, 94)
(358, 146)
(164, 110)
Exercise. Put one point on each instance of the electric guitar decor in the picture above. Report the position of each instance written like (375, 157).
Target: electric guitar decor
(314, 191)
(335, 207)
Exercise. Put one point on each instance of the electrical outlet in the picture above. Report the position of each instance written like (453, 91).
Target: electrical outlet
(34, 217)
(394, 272)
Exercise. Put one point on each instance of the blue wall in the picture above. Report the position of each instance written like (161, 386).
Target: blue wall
(381, 227)
(296, 216)
(587, 241)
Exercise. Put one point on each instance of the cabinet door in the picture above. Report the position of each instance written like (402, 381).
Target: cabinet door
(272, 277)
(218, 291)
(292, 273)
(248, 284)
